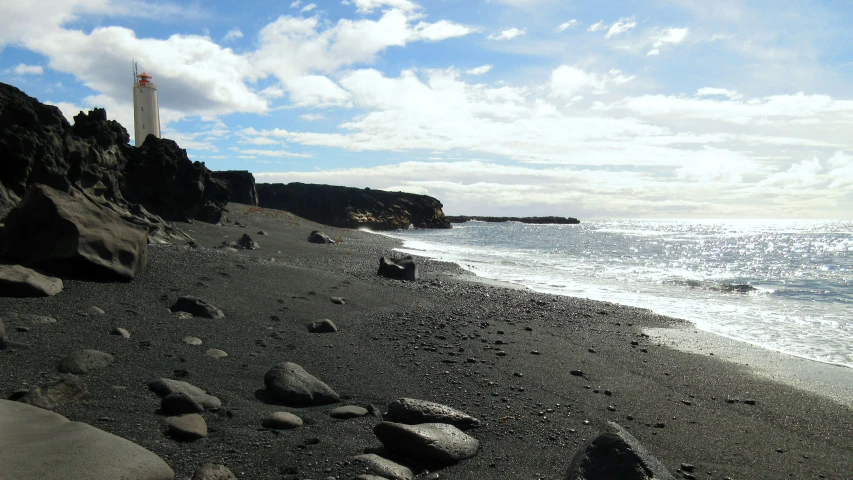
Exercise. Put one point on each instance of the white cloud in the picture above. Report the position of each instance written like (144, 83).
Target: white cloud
(507, 34)
(273, 153)
(296, 4)
(653, 52)
(597, 26)
(316, 91)
(308, 8)
(232, 34)
(621, 26)
(567, 81)
(368, 6)
(23, 69)
(800, 175)
(671, 36)
(441, 30)
(481, 70)
(566, 25)
(312, 117)
(711, 91)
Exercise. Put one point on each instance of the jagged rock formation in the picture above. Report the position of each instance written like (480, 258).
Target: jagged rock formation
(550, 220)
(349, 207)
(242, 184)
(38, 145)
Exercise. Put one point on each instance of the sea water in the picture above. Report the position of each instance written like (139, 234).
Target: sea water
(782, 285)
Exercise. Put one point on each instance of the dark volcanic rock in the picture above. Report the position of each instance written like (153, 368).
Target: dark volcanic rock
(353, 207)
(18, 281)
(85, 361)
(615, 453)
(246, 243)
(196, 307)
(164, 387)
(49, 395)
(319, 237)
(180, 403)
(69, 234)
(38, 145)
(242, 184)
(543, 220)
(290, 384)
(434, 441)
(322, 326)
(398, 268)
(413, 411)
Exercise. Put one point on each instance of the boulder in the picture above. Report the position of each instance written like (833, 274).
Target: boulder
(615, 453)
(187, 427)
(18, 281)
(319, 237)
(322, 326)
(439, 442)
(413, 411)
(66, 389)
(282, 421)
(35, 443)
(246, 243)
(349, 207)
(180, 403)
(383, 467)
(68, 234)
(398, 268)
(242, 185)
(211, 471)
(348, 411)
(85, 361)
(197, 308)
(164, 386)
(290, 384)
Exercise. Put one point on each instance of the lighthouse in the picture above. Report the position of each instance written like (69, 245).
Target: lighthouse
(146, 109)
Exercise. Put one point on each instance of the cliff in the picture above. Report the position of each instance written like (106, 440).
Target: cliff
(38, 145)
(544, 220)
(242, 185)
(353, 207)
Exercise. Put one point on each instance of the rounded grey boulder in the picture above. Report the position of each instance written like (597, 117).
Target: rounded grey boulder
(290, 384)
(166, 386)
(413, 411)
(85, 361)
(434, 441)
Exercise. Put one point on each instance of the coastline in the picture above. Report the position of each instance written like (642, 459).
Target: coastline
(408, 339)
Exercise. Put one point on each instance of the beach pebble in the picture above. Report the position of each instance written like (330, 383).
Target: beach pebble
(348, 411)
(576, 373)
(434, 441)
(91, 311)
(413, 411)
(290, 384)
(261, 232)
(215, 353)
(180, 403)
(85, 361)
(282, 421)
(36, 443)
(18, 281)
(213, 471)
(338, 300)
(66, 389)
(121, 332)
(384, 467)
(187, 427)
(26, 319)
(615, 453)
(319, 237)
(322, 326)
(197, 308)
(192, 340)
(165, 386)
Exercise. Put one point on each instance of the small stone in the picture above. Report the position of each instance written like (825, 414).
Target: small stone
(192, 341)
(261, 232)
(211, 471)
(187, 427)
(322, 326)
(289, 383)
(576, 373)
(384, 467)
(338, 300)
(348, 411)
(180, 403)
(121, 332)
(165, 386)
(91, 311)
(750, 401)
(85, 361)
(319, 237)
(282, 421)
(215, 353)
(246, 243)
(52, 394)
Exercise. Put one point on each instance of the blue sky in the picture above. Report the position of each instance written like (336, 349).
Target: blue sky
(665, 108)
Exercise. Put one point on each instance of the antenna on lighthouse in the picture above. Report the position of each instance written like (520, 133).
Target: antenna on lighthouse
(135, 69)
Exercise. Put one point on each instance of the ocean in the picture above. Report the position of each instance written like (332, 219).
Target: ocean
(784, 285)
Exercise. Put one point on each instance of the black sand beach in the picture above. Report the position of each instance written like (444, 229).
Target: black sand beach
(436, 339)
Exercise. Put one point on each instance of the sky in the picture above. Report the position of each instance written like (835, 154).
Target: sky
(656, 109)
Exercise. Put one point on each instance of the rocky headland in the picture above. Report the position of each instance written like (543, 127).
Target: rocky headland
(540, 220)
(263, 345)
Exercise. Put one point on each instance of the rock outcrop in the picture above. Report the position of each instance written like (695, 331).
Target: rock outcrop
(94, 155)
(349, 207)
(242, 185)
(543, 220)
(398, 268)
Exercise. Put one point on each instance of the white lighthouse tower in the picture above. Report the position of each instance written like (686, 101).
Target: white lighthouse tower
(146, 108)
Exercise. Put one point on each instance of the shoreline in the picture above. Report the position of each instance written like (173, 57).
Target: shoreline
(407, 339)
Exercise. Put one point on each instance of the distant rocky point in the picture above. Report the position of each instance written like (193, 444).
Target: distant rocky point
(544, 220)
(349, 207)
